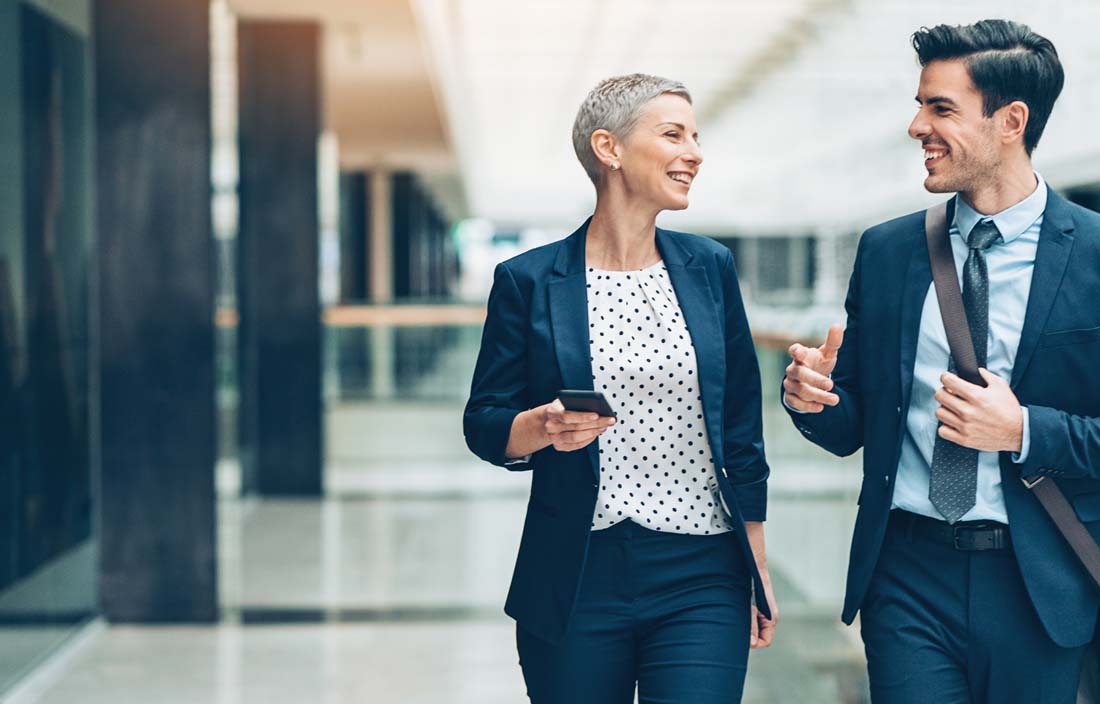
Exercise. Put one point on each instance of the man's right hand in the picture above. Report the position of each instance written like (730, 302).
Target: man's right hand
(807, 386)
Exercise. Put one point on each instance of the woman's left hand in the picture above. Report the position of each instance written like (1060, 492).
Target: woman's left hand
(761, 630)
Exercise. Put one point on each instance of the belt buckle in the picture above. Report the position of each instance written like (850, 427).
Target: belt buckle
(991, 539)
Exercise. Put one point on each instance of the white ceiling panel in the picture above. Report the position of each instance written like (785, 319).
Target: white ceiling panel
(803, 104)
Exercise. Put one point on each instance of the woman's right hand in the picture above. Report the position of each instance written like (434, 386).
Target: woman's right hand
(571, 430)
(550, 424)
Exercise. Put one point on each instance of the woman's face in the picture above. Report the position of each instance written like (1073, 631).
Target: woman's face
(661, 157)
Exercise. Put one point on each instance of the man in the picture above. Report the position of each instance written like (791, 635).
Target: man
(966, 590)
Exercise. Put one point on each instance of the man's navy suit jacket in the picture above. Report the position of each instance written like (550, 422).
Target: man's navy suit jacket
(536, 342)
(1056, 374)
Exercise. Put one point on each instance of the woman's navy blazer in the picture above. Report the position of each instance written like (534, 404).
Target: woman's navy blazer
(535, 342)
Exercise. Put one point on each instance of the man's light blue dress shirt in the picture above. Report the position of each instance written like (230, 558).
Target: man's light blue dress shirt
(1011, 262)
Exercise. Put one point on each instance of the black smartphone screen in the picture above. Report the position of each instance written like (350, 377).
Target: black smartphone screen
(590, 401)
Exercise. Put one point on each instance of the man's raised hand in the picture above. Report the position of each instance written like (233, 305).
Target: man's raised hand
(807, 386)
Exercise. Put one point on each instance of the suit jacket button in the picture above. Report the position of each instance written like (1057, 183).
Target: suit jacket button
(886, 479)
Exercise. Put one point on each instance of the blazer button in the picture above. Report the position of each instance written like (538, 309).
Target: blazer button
(886, 479)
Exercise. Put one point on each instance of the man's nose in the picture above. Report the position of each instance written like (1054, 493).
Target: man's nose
(918, 128)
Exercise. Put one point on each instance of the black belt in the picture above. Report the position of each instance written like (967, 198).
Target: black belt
(969, 535)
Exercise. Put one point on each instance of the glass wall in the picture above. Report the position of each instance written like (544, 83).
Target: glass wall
(47, 448)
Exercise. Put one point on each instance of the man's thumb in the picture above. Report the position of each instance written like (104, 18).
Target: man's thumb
(833, 339)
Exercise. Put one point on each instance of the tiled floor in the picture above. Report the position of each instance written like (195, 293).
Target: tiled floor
(390, 591)
(416, 663)
(407, 663)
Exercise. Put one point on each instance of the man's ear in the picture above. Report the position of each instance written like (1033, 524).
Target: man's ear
(1014, 117)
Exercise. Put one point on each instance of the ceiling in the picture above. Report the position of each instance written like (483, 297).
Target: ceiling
(802, 104)
(379, 98)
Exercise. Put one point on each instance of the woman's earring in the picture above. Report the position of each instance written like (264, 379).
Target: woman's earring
(614, 167)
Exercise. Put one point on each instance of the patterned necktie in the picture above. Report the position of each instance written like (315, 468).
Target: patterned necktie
(953, 485)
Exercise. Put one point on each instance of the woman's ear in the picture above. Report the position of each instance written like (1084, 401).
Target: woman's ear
(607, 149)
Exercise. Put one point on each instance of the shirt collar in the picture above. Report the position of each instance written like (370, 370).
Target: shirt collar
(1011, 222)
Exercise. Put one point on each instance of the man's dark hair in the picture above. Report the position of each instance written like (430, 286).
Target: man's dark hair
(1007, 62)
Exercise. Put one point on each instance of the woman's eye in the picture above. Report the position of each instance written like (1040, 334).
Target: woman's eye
(672, 134)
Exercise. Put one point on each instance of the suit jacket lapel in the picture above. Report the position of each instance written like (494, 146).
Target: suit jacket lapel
(1051, 258)
(700, 313)
(568, 307)
(917, 281)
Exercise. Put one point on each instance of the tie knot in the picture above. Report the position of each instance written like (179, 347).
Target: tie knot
(984, 234)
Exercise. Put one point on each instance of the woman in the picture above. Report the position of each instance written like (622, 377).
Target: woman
(644, 537)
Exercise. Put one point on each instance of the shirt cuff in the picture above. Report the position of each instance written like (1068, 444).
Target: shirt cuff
(1025, 443)
(518, 460)
(783, 399)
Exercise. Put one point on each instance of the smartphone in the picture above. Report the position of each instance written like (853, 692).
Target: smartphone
(590, 401)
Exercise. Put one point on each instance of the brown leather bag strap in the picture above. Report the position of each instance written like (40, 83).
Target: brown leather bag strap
(949, 296)
(1071, 528)
(966, 363)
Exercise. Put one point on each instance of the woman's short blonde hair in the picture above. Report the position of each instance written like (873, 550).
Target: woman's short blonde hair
(616, 105)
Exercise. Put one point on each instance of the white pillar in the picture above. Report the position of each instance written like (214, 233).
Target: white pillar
(380, 236)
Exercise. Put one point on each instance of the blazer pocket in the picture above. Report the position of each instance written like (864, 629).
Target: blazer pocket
(1087, 506)
(1070, 337)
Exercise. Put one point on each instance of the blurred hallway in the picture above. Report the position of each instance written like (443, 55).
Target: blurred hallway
(245, 250)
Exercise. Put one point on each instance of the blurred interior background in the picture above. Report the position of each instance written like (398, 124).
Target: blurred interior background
(245, 247)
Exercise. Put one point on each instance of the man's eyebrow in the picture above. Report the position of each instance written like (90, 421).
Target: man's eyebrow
(936, 100)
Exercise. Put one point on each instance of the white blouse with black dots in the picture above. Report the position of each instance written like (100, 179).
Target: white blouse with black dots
(656, 466)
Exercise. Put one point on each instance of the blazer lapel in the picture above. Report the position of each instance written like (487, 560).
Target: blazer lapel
(1051, 258)
(917, 281)
(569, 313)
(700, 313)
(568, 307)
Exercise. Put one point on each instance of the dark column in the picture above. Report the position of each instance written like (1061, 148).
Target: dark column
(404, 232)
(419, 239)
(354, 206)
(279, 303)
(353, 356)
(156, 257)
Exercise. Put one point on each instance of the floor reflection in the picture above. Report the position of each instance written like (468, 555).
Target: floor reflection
(390, 589)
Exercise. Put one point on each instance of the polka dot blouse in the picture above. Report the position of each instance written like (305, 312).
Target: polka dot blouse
(656, 466)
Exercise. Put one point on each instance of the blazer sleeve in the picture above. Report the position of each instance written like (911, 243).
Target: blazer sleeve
(839, 428)
(499, 391)
(743, 434)
(1062, 444)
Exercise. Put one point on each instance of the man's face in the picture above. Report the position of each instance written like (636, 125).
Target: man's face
(962, 152)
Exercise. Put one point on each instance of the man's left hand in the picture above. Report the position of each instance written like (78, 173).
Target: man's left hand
(987, 419)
